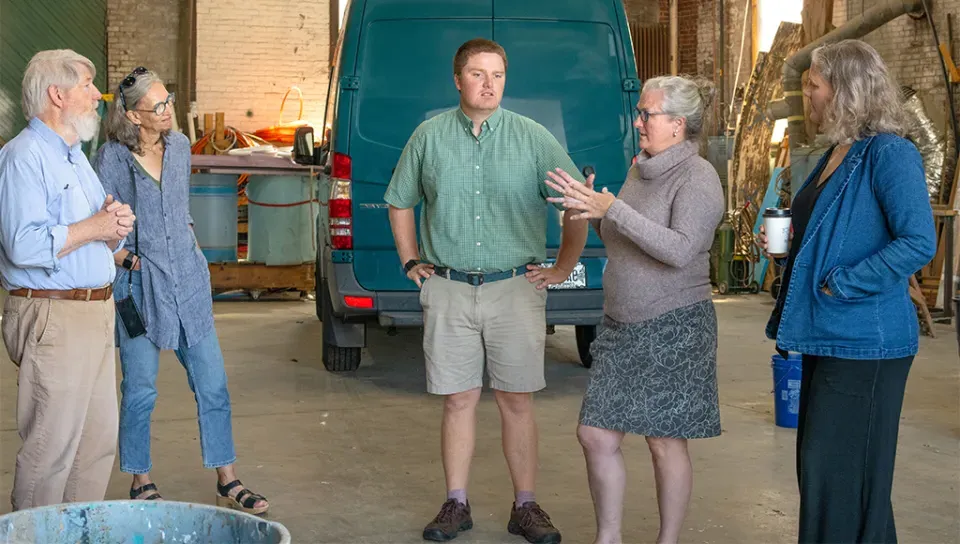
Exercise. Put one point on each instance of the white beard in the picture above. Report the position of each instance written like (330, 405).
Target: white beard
(86, 125)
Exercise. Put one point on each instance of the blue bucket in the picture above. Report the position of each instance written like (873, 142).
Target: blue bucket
(787, 375)
(138, 522)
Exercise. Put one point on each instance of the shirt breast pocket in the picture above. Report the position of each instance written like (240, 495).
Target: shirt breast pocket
(73, 204)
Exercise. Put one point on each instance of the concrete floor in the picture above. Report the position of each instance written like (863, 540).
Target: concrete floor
(355, 458)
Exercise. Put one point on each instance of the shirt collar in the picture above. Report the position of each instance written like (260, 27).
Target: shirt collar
(491, 123)
(72, 153)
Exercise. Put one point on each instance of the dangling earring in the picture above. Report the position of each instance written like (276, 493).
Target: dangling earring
(674, 133)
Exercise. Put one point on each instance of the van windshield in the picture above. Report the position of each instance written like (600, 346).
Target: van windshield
(565, 75)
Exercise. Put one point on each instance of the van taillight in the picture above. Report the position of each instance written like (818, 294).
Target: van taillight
(342, 166)
(340, 204)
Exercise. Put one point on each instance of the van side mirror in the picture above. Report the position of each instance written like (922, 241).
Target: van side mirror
(303, 145)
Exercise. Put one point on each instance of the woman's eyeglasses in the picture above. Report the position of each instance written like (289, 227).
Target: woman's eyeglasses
(161, 107)
(645, 115)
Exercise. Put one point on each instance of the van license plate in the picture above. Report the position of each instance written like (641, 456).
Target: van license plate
(577, 279)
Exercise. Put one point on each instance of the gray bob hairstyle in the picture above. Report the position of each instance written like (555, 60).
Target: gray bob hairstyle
(53, 68)
(866, 98)
(119, 127)
(687, 98)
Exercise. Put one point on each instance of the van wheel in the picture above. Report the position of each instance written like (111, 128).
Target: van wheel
(585, 336)
(335, 358)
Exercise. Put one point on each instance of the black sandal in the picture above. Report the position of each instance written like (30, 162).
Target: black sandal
(245, 500)
(134, 493)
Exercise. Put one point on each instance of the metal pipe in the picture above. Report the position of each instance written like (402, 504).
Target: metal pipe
(794, 66)
(674, 37)
(722, 87)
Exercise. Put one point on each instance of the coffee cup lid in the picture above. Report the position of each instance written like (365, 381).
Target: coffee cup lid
(777, 212)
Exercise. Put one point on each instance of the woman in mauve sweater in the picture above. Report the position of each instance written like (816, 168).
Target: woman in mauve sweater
(655, 360)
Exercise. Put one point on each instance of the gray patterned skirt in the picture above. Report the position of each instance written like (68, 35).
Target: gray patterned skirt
(658, 377)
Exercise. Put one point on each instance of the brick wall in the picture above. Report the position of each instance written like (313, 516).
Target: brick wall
(688, 12)
(248, 55)
(141, 33)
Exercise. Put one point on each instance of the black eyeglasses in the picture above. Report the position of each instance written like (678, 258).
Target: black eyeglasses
(645, 115)
(129, 81)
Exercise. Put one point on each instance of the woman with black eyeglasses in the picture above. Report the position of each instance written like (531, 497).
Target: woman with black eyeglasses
(655, 361)
(166, 278)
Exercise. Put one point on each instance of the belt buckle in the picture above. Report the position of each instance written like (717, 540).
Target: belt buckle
(476, 282)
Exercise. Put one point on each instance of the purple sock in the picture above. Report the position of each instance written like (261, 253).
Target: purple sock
(523, 497)
(459, 494)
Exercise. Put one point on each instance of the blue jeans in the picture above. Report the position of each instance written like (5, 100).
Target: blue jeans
(139, 363)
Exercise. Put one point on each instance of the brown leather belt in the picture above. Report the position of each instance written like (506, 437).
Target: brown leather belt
(102, 293)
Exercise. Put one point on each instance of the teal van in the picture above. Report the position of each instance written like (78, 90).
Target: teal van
(570, 67)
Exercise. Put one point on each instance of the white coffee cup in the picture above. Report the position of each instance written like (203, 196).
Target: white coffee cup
(776, 224)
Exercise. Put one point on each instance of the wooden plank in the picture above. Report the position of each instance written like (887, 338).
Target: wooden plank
(230, 276)
(751, 154)
(208, 129)
(219, 135)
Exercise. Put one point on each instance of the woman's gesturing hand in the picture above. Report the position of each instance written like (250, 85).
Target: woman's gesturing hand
(579, 196)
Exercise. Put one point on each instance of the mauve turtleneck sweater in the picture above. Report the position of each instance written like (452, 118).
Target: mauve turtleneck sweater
(658, 235)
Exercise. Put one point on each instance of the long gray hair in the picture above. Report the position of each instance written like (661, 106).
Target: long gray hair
(866, 98)
(119, 127)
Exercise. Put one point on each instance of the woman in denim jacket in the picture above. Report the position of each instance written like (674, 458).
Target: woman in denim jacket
(862, 224)
(147, 165)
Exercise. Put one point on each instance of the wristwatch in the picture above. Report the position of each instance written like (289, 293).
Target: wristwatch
(410, 264)
(128, 261)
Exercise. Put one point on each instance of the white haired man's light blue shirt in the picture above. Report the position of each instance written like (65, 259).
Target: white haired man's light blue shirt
(46, 186)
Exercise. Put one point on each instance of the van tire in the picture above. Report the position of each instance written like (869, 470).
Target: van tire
(335, 358)
(585, 336)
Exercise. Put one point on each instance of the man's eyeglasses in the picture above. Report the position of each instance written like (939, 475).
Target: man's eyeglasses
(129, 81)
(645, 115)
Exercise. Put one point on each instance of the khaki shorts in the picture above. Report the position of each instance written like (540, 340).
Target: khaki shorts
(504, 320)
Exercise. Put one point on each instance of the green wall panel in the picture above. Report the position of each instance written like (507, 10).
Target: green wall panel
(28, 26)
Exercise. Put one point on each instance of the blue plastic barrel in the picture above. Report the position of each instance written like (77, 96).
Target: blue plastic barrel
(787, 375)
(281, 220)
(213, 205)
(138, 522)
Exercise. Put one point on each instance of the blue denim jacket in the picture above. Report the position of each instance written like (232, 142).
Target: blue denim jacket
(870, 230)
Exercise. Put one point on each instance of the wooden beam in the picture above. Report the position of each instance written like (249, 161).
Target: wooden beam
(243, 275)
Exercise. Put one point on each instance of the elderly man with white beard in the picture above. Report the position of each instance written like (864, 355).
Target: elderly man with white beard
(58, 233)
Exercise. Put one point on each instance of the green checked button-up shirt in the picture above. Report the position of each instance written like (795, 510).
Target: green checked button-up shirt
(483, 197)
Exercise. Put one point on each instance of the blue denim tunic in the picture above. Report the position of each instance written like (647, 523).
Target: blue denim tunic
(176, 279)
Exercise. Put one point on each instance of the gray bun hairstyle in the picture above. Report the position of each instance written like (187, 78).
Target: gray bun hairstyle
(690, 98)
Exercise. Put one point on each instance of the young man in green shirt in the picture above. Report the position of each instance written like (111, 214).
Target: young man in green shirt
(479, 171)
